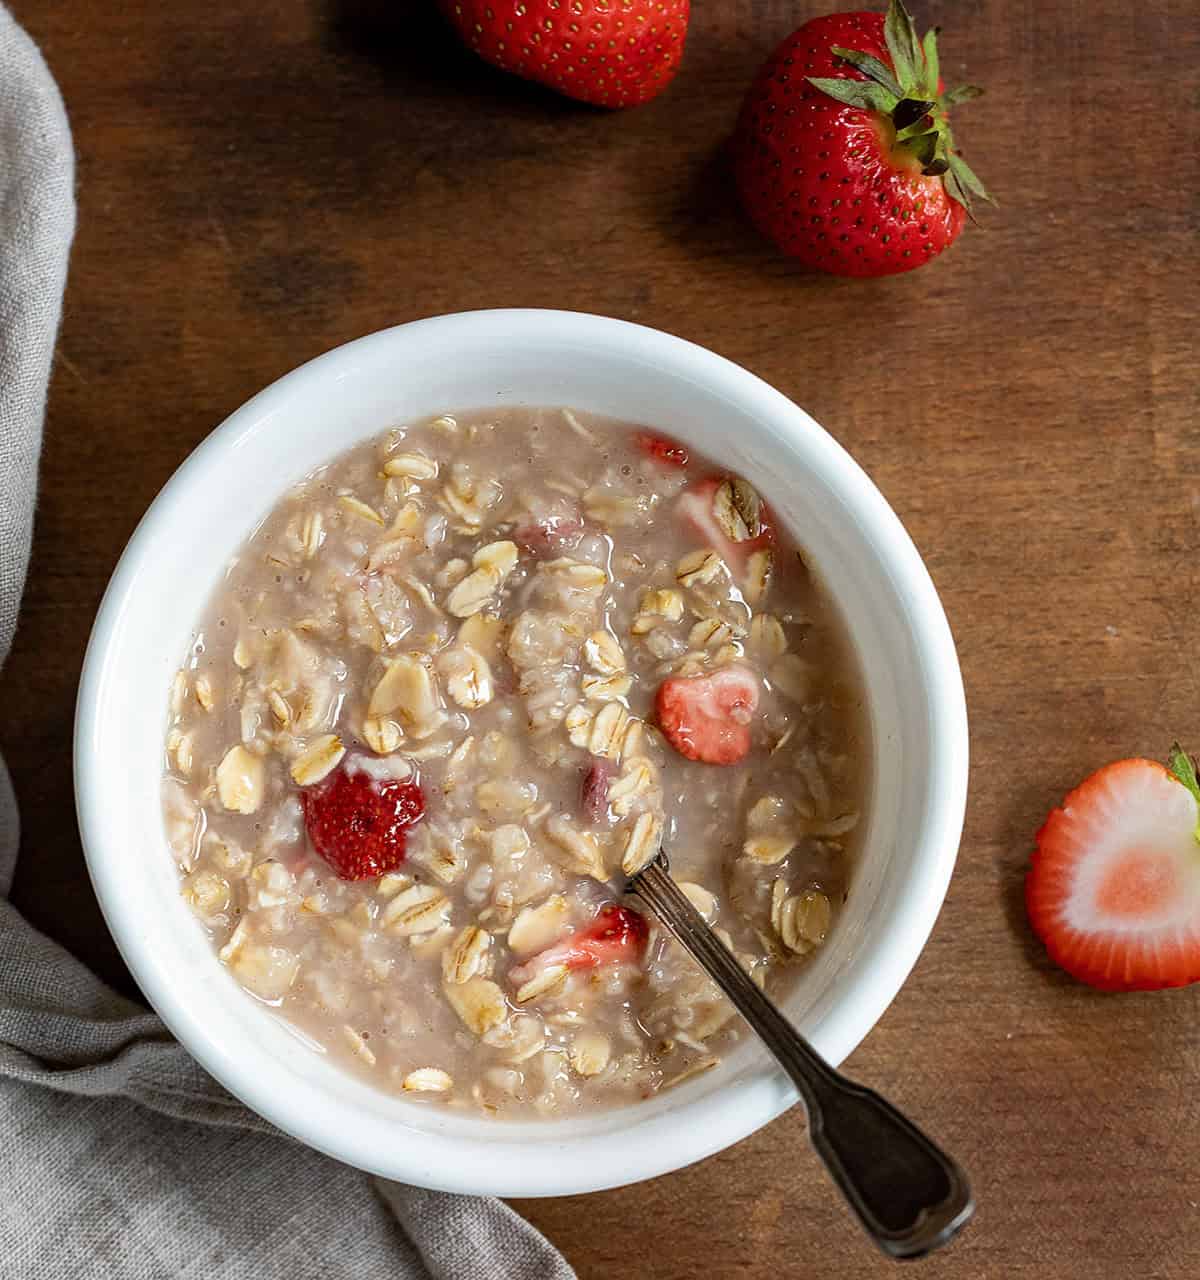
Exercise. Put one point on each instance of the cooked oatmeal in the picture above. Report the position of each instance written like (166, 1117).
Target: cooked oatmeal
(462, 682)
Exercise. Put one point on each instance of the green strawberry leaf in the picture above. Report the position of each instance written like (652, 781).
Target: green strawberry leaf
(870, 66)
(901, 37)
(954, 189)
(856, 93)
(932, 69)
(921, 126)
(964, 93)
(1182, 767)
(908, 92)
(966, 177)
(910, 111)
(924, 147)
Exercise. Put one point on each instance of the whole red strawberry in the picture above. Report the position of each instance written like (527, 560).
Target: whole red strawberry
(611, 53)
(843, 151)
(359, 824)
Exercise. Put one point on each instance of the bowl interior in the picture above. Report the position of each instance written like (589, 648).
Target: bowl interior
(225, 488)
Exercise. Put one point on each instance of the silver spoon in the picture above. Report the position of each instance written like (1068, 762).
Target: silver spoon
(909, 1195)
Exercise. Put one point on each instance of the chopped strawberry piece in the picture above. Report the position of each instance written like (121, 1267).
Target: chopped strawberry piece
(359, 824)
(697, 509)
(1114, 885)
(617, 935)
(593, 797)
(708, 718)
(662, 449)
(550, 535)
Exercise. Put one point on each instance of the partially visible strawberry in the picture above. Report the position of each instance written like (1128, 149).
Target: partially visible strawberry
(843, 151)
(359, 824)
(708, 718)
(1114, 885)
(611, 53)
(593, 791)
(662, 449)
(549, 534)
(617, 935)
(727, 515)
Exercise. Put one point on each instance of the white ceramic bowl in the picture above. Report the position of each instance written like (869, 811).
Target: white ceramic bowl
(486, 358)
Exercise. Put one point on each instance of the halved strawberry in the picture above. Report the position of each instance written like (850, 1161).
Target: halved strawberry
(662, 449)
(1114, 886)
(617, 935)
(708, 718)
(727, 514)
(359, 824)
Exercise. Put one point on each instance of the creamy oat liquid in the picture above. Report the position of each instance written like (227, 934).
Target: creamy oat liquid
(480, 611)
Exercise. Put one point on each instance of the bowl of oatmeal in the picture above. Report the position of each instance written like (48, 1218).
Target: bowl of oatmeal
(429, 647)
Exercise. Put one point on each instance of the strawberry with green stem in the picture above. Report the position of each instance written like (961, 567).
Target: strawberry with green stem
(843, 152)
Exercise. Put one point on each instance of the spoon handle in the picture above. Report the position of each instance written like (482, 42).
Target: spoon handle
(910, 1196)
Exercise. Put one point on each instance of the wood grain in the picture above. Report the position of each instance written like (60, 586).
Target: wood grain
(262, 179)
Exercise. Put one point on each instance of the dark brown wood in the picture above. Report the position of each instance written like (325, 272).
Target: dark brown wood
(260, 181)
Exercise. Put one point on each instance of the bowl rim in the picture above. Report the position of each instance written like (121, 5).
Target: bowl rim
(894, 947)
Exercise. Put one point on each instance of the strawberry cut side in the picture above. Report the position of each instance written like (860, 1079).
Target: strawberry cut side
(707, 718)
(617, 935)
(359, 824)
(1114, 884)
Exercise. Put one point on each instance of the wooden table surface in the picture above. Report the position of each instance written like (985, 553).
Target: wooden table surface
(260, 180)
